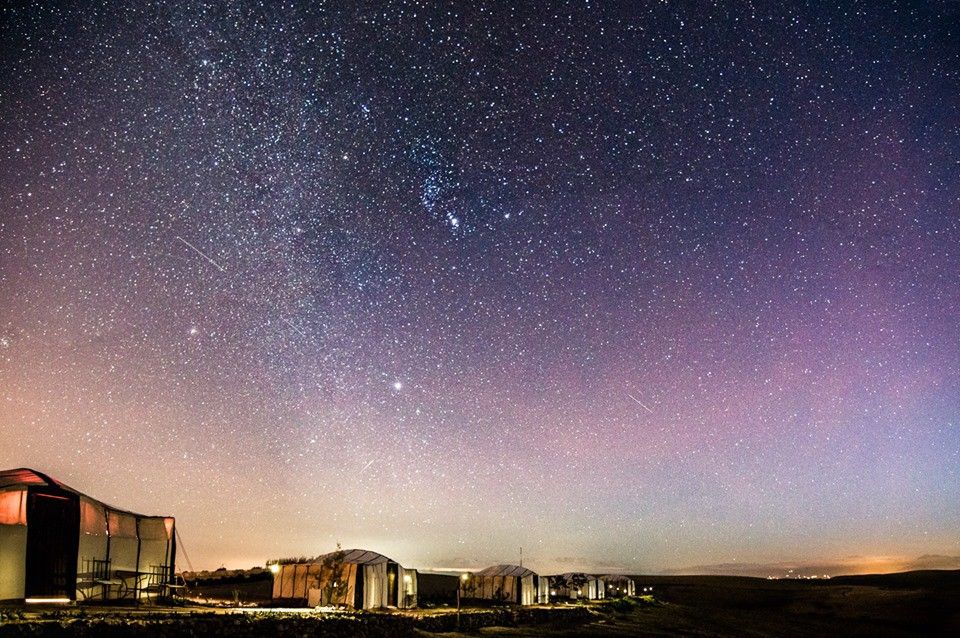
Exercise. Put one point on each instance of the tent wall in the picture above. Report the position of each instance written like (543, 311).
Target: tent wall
(154, 544)
(13, 561)
(543, 590)
(136, 546)
(305, 584)
(528, 592)
(595, 589)
(13, 544)
(320, 579)
(375, 586)
(291, 582)
(123, 549)
(497, 588)
(13, 507)
(308, 584)
(93, 547)
(409, 589)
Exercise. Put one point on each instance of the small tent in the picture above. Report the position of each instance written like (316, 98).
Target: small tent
(507, 584)
(59, 545)
(619, 585)
(353, 578)
(575, 586)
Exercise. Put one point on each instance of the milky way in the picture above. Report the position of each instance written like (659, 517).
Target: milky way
(635, 285)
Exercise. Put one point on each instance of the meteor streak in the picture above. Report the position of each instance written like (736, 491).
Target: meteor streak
(640, 402)
(202, 254)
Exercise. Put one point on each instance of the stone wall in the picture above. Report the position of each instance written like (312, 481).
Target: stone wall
(73, 624)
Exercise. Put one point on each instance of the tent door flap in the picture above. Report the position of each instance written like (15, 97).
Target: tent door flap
(53, 537)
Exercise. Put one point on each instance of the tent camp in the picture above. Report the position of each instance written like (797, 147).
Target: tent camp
(58, 545)
(619, 585)
(576, 585)
(507, 584)
(353, 578)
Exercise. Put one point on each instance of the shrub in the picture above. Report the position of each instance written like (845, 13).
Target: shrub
(622, 605)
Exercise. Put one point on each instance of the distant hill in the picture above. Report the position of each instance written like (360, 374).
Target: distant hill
(922, 579)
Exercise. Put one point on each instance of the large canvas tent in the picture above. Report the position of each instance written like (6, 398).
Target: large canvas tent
(356, 578)
(575, 586)
(507, 584)
(619, 585)
(57, 544)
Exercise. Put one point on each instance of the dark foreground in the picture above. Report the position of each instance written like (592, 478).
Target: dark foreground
(914, 604)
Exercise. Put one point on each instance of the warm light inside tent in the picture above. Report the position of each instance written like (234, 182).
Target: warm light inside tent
(58, 601)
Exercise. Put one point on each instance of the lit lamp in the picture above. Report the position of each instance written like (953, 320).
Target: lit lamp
(274, 568)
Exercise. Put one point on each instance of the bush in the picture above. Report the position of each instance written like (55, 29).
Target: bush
(622, 605)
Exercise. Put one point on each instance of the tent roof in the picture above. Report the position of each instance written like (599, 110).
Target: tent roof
(615, 578)
(357, 557)
(506, 570)
(24, 477)
(568, 576)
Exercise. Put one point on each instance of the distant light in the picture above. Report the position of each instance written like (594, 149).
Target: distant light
(194, 330)
(464, 577)
(275, 568)
(407, 578)
(397, 386)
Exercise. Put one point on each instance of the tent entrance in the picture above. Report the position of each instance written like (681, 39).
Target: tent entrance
(358, 600)
(392, 584)
(53, 533)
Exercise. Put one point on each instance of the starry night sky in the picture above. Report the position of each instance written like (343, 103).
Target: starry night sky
(632, 285)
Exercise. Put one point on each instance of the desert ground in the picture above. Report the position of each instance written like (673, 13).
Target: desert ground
(922, 603)
(915, 604)
(909, 604)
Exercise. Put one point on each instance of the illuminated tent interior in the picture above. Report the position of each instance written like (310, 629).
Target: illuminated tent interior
(365, 580)
(507, 584)
(576, 585)
(57, 544)
(619, 585)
